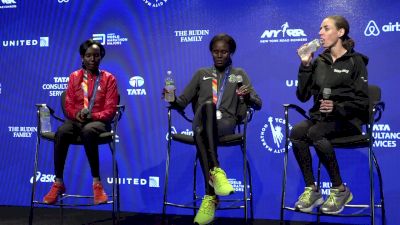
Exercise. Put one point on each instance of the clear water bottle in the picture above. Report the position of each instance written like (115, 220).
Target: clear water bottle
(44, 114)
(169, 87)
(309, 48)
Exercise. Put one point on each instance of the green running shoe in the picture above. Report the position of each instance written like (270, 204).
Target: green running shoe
(219, 182)
(206, 212)
(336, 201)
(308, 200)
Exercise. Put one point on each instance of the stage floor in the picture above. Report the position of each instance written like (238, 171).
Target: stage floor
(12, 215)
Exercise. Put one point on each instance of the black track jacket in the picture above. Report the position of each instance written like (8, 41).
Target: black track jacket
(348, 79)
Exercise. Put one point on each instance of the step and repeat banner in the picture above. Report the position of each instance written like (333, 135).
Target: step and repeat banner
(146, 38)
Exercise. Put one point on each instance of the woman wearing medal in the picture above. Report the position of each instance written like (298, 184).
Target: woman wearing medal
(218, 95)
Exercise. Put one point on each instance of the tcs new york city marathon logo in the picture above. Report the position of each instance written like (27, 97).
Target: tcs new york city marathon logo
(272, 135)
(154, 3)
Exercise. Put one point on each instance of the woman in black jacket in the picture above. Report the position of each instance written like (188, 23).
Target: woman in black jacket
(337, 80)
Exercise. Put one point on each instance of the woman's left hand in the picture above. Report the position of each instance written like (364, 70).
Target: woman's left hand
(326, 106)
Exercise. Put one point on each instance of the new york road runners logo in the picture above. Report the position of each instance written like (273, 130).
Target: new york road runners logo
(272, 135)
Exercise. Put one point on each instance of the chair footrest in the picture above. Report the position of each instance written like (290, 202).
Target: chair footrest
(230, 204)
(355, 214)
(72, 205)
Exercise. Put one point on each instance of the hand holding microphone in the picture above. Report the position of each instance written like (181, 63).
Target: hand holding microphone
(326, 105)
(83, 115)
(242, 90)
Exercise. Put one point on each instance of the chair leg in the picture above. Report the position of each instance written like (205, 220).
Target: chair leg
(195, 183)
(245, 181)
(35, 168)
(115, 186)
(318, 186)
(284, 177)
(250, 192)
(378, 170)
(371, 185)
(167, 161)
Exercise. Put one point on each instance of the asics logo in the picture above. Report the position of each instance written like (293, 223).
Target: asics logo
(207, 78)
(61, 1)
(372, 29)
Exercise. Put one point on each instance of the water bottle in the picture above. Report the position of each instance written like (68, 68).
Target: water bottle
(44, 114)
(169, 87)
(309, 48)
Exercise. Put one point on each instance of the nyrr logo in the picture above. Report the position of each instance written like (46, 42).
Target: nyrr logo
(44, 178)
(152, 181)
(136, 82)
(155, 3)
(372, 28)
(8, 4)
(384, 137)
(285, 35)
(274, 128)
(63, 1)
(43, 42)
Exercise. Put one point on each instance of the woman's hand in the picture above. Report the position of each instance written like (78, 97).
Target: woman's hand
(243, 90)
(326, 106)
(305, 59)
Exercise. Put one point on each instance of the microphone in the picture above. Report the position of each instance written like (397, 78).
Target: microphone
(326, 94)
(239, 81)
(85, 113)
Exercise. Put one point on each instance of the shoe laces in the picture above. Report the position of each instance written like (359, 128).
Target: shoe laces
(55, 190)
(220, 175)
(208, 204)
(305, 197)
(332, 199)
(98, 190)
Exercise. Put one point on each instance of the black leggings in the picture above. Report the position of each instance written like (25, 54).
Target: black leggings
(318, 133)
(68, 132)
(207, 129)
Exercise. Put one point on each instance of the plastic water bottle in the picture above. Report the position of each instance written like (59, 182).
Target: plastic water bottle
(44, 114)
(309, 48)
(169, 87)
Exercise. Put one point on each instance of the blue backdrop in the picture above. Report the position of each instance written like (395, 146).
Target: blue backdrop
(144, 39)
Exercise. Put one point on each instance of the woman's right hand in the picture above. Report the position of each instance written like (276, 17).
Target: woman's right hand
(305, 59)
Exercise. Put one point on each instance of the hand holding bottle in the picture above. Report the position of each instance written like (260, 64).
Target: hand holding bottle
(306, 51)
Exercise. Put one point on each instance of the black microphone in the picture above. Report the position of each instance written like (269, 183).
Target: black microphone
(239, 81)
(85, 113)
(326, 94)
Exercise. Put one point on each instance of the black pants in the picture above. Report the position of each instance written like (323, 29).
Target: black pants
(318, 133)
(207, 129)
(89, 133)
